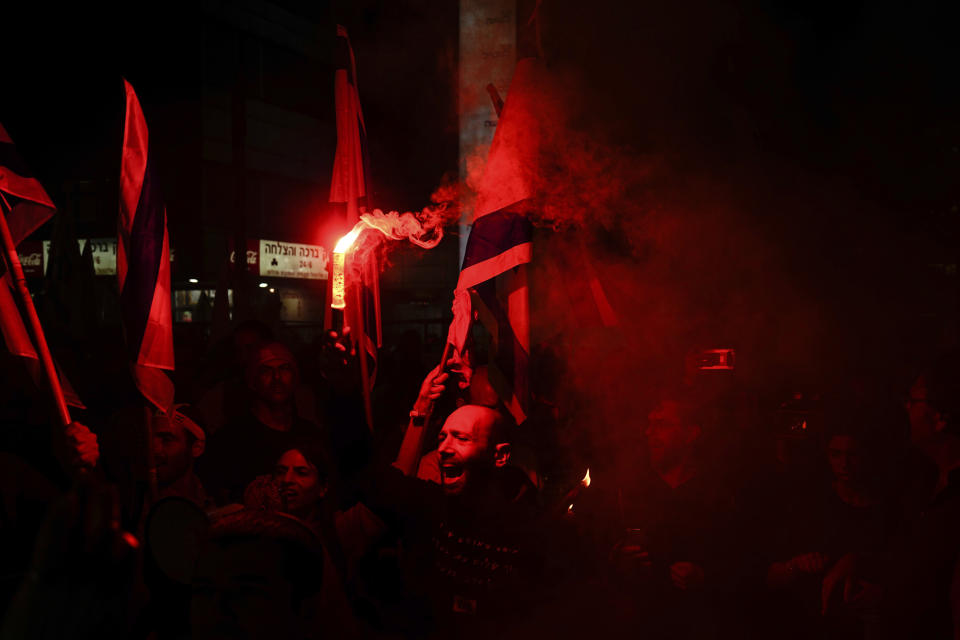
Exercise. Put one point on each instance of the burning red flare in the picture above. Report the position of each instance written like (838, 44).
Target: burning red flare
(424, 229)
(343, 244)
(339, 259)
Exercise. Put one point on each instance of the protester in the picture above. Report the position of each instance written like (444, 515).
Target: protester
(81, 570)
(302, 485)
(478, 561)
(30, 483)
(171, 540)
(255, 578)
(461, 542)
(226, 400)
(226, 396)
(178, 440)
(521, 467)
(923, 583)
(297, 486)
(251, 445)
(932, 404)
(833, 541)
(677, 553)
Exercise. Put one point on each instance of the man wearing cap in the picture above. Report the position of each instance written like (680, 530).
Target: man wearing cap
(178, 440)
(251, 444)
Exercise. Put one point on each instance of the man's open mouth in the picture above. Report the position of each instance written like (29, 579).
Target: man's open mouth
(451, 471)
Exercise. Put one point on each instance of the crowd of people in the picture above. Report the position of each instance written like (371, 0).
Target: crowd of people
(266, 508)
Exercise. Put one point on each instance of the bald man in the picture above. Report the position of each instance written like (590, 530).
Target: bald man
(522, 461)
(478, 555)
(471, 445)
(250, 445)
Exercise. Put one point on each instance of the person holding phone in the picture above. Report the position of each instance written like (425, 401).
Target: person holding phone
(677, 558)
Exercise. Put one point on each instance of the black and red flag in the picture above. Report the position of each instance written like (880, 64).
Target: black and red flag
(143, 263)
(351, 186)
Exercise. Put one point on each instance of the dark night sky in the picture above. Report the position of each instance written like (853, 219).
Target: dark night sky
(816, 68)
(865, 89)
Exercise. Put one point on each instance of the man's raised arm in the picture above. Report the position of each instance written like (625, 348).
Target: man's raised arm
(408, 458)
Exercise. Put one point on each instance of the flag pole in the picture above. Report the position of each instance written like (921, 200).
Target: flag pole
(361, 343)
(16, 271)
(443, 365)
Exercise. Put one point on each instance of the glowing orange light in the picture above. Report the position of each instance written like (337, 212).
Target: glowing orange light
(344, 243)
(425, 229)
(586, 479)
(338, 281)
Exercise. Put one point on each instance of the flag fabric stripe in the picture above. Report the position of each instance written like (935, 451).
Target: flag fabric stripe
(143, 263)
(493, 234)
(492, 267)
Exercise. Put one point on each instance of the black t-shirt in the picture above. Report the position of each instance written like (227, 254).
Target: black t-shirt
(477, 565)
(692, 523)
(245, 449)
(818, 521)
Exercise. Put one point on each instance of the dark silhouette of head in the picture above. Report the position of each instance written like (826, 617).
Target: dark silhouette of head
(253, 576)
(272, 374)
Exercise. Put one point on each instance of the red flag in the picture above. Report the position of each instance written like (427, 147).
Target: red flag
(350, 186)
(499, 248)
(511, 172)
(29, 207)
(143, 263)
(18, 343)
(29, 204)
(349, 183)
